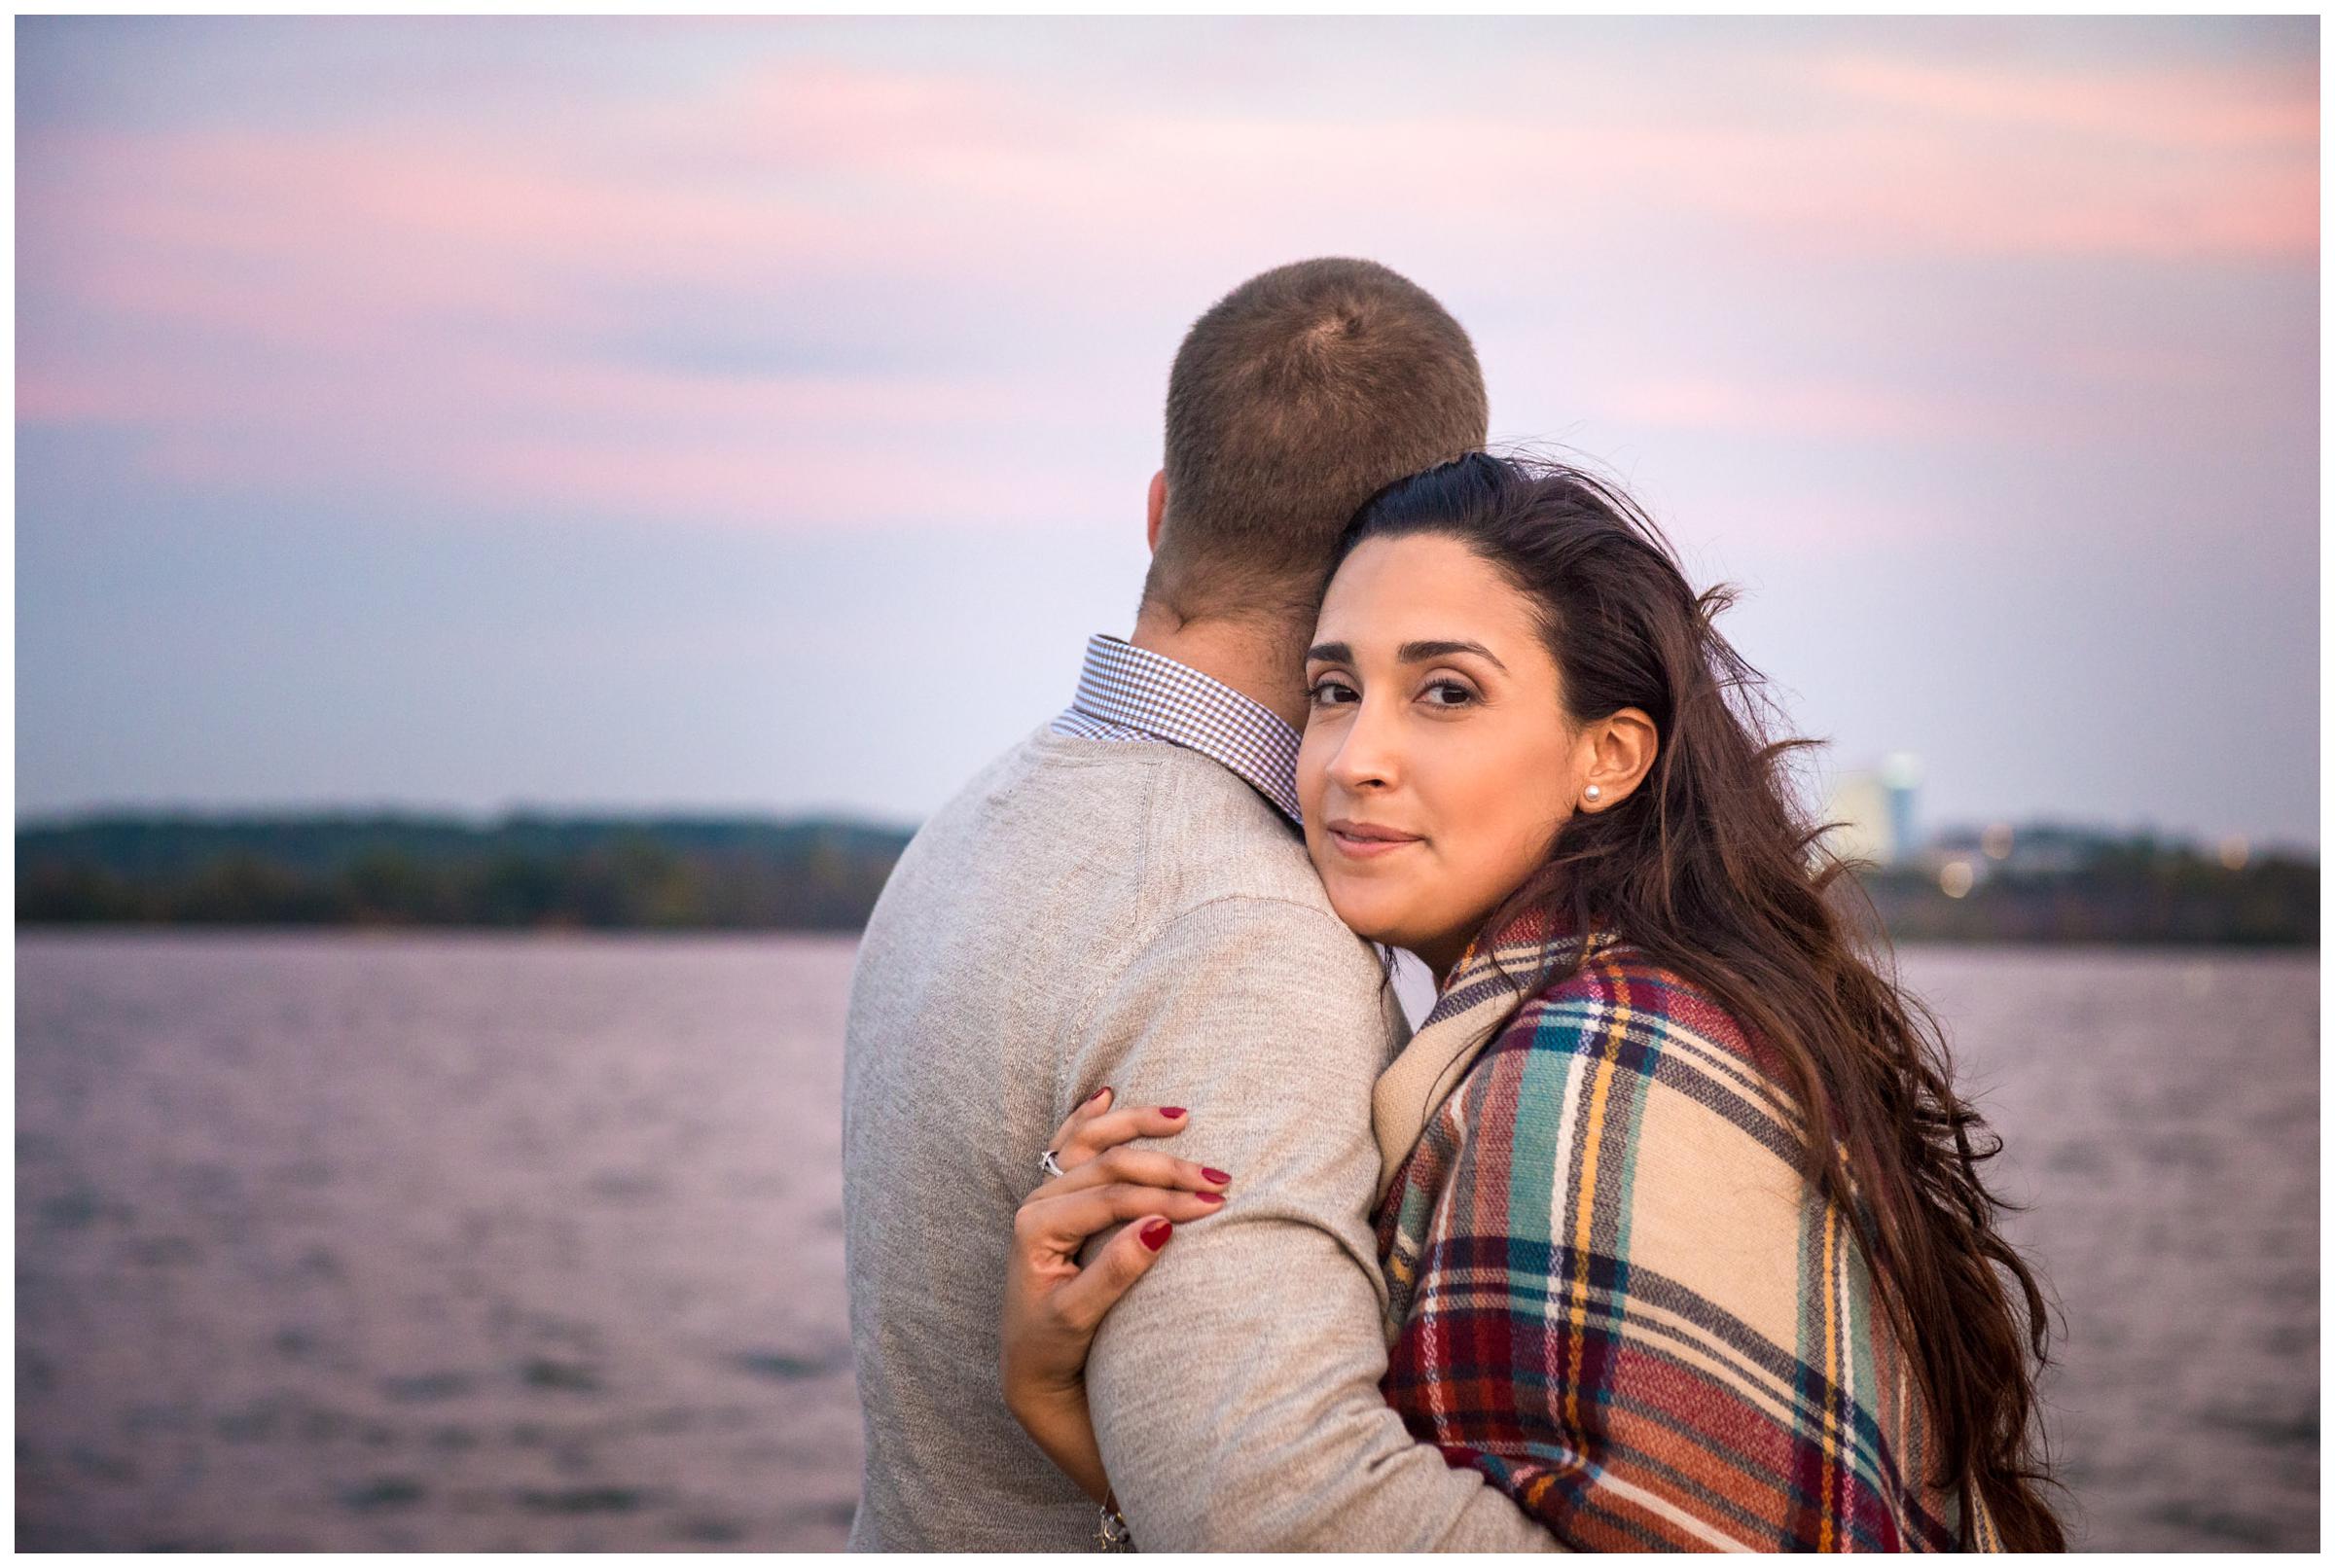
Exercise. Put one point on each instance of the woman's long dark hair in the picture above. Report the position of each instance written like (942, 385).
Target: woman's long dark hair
(1709, 868)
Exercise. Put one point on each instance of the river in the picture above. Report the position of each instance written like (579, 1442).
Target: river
(337, 1242)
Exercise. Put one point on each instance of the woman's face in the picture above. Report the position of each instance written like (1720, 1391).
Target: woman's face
(1438, 761)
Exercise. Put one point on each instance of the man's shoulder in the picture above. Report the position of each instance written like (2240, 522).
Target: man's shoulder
(1043, 792)
(1232, 924)
(1211, 839)
(1197, 832)
(1045, 771)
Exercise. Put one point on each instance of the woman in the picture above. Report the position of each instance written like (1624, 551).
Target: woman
(1684, 1237)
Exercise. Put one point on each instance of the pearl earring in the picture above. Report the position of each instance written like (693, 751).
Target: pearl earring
(1591, 791)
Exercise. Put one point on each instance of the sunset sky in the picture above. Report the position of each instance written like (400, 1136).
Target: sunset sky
(756, 414)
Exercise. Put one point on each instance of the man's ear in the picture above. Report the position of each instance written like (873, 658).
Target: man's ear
(1154, 510)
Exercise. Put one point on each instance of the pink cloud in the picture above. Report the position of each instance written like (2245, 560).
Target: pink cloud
(1783, 406)
(283, 309)
(2184, 107)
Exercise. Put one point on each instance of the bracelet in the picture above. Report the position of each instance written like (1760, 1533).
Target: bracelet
(1110, 1531)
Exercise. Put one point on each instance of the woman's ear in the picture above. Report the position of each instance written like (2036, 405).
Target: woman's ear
(1621, 750)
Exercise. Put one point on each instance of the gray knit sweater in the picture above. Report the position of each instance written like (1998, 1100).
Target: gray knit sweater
(1089, 913)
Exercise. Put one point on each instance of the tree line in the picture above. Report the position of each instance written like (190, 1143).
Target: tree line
(609, 874)
(533, 870)
(2131, 891)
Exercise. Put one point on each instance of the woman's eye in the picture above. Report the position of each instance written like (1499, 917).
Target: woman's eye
(1447, 694)
(1329, 693)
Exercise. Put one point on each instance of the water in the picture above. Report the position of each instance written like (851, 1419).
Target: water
(2160, 1114)
(339, 1242)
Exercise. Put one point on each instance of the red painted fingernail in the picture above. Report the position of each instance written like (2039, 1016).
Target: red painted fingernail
(1219, 1177)
(1171, 1111)
(1098, 1093)
(1209, 1197)
(1156, 1234)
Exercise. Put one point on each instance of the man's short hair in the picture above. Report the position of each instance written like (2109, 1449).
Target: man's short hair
(1299, 395)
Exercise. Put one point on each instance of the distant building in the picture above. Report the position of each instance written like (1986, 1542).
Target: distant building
(1859, 808)
(1900, 776)
(1873, 809)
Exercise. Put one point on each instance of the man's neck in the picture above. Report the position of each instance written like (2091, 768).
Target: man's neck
(1261, 665)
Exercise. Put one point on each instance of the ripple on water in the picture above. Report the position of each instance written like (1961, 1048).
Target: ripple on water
(2268, 1429)
(320, 1424)
(305, 1172)
(78, 1208)
(164, 1252)
(294, 1343)
(584, 1499)
(111, 1469)
(2244, 1531)
(170, 1417)
(623, 1187)
(36, 1374)
(562, 1377)
(382, 1492)
(319, 1263)
(420, 1387)
(262, 1420)
(788, 1367)
(2079, 1156)
(836, 1513)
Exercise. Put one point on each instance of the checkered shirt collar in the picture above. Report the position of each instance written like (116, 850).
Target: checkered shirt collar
(1130, 688)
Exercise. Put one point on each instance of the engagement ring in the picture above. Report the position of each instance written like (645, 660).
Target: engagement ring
(1047, 1164)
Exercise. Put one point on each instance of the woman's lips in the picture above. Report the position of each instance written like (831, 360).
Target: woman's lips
(1367, 840)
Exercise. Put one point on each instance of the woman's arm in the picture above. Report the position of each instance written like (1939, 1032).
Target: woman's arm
(1052, 1306)
(1235, 1395)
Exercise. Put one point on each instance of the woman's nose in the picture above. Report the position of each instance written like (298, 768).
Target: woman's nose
(1367, 756)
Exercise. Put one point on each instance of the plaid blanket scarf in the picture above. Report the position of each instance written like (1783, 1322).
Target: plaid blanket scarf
(1611, 1291)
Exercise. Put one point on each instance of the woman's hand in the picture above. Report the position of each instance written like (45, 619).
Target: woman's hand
(1052, 1306)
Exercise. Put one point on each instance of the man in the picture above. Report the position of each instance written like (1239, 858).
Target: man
(1124, 900)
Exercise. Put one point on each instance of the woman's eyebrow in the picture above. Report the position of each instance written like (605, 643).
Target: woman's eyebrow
(1409, 652)
(1418, 652)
